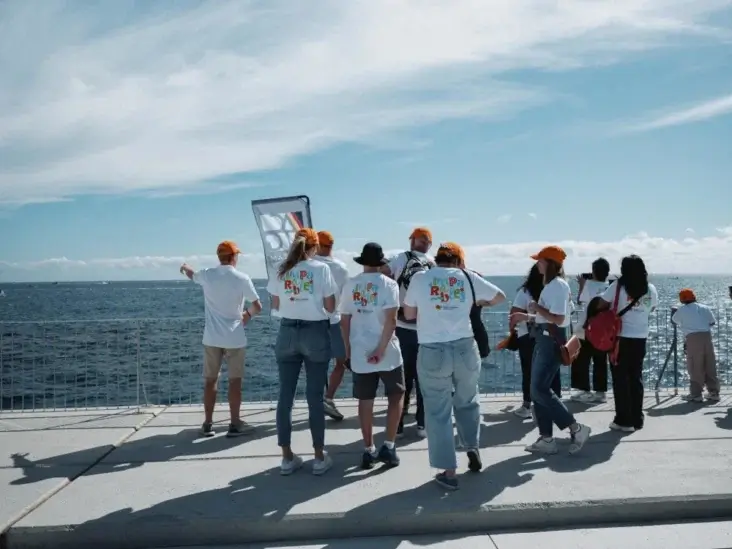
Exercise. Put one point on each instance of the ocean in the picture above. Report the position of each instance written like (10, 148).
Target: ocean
(84, 344)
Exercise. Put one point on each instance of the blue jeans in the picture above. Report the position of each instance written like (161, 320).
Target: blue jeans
(545, 365)
(443, 368)
(302, 342)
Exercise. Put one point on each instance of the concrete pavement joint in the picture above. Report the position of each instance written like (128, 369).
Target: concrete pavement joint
(66, 482)
(171, 531)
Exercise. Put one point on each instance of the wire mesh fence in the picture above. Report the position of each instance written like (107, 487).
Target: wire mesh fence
(153, 362)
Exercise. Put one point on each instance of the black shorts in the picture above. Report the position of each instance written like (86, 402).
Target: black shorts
(366, 385)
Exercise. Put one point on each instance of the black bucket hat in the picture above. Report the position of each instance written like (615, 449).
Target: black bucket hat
(372, 255)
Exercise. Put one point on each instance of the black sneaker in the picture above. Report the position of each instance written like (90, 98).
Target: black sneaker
(474, 462)
(388, 456)
(367, 460)
(207, 430)
(239, 429)
(451, 483)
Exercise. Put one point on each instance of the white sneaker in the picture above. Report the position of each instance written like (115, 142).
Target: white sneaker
(421, 432)
(692, 398)
(524, 412)
(321, 466)
(542, 446)
(712, 397)
(579, 438)
(289, 466)
(582, 396)
(600, 397)
(615, 427)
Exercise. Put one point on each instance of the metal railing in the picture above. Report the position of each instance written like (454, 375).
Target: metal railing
(154, 362)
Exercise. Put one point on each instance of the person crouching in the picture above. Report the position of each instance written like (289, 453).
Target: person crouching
(368, 307)
(695, 321)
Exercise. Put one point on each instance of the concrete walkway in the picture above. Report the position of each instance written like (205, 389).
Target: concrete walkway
(125, 480)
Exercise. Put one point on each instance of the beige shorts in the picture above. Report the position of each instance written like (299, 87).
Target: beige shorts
(213, 358)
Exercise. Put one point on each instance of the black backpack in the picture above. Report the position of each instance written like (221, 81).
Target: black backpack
(414, 265)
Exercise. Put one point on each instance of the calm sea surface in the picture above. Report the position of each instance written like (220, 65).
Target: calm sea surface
(122, 343)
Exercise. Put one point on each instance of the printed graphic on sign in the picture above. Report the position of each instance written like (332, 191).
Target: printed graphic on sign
(298, 284)
(365, 295)
(447, 293)
(278, 232)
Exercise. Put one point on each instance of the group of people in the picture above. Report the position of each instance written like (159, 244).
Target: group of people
(412, 322)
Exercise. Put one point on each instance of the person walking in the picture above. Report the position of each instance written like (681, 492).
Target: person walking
(226, 292)
(402, 268)
(448, 361)
(529, 291)
(589, 288)
(368, 309)
(695, 320)
(304, 294)
(551, 315)
(338, 350)
(636, 299)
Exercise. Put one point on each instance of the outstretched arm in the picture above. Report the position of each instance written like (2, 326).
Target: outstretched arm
(187, 270)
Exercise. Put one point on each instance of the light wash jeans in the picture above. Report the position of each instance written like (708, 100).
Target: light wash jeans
(545, 365)
(302, 342)
(443, 368)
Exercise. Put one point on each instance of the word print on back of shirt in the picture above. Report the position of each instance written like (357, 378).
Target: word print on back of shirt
(298, 283)
(447, 293)
(365, 296)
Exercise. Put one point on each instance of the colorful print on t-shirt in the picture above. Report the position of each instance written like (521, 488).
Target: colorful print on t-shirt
(297, 283)
(365, 295)
(447, 293)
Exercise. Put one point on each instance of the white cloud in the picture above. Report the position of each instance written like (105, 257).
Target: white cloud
(533, 215)
(505, 218)
(689, 230)
(94, 100)
(708, 254)
(688, 114)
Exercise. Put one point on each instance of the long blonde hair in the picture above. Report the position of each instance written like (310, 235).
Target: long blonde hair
(305, 241)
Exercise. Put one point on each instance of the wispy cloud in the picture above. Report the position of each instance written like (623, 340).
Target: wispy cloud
(505, 218)
(689, 230)
(124, 97)
(689, 114)
(703, 254)
(533, 215)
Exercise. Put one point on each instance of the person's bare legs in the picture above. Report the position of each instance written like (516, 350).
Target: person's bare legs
(336, 378)
(393, 415)
(210, 388)
(366, 420)
(234, 400)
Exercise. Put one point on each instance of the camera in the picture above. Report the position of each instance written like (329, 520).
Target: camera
(586, 276)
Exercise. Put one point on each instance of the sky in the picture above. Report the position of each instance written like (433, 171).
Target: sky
(134, 135)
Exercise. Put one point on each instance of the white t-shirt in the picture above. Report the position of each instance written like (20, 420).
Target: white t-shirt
(635, 321)
(694, 318)
(521, 301)
(443, 299)
(590, 290)
(365, 297)
(225, 293)
(556, 297)
(340, 275)
(396, 266)
(302, 290)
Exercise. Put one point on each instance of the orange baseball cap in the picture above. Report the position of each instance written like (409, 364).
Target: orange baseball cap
(451, 249)
(552, 253)
(421, 232)
(687, 296)
(325, 239)
(310, 236)
(228, 247)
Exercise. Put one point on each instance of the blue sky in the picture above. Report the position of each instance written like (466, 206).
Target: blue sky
(133, 139)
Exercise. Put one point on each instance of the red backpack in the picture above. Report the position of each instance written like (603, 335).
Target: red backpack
(602, 329)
